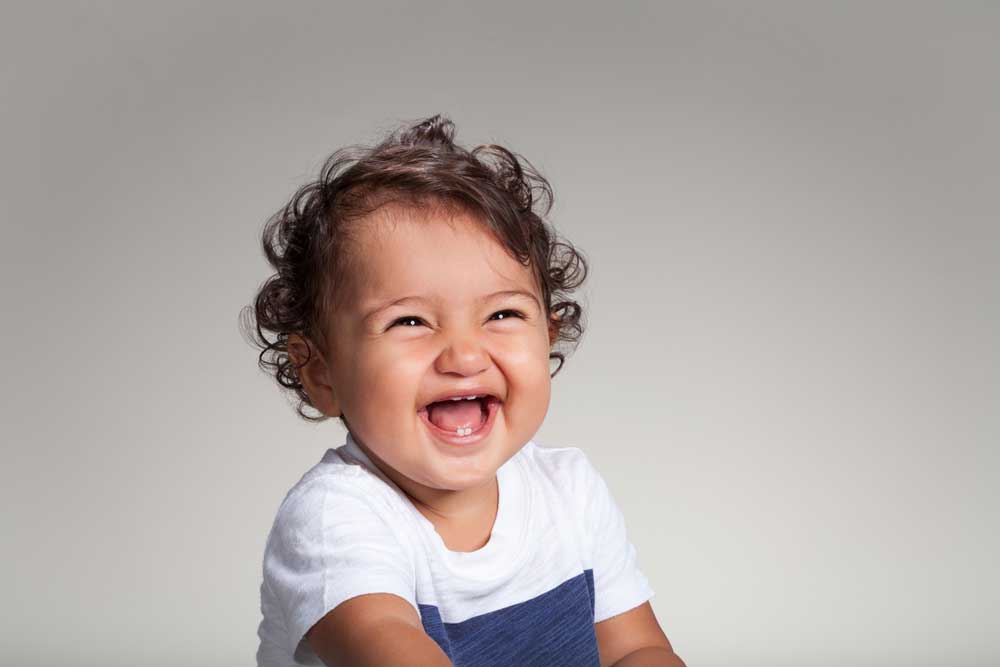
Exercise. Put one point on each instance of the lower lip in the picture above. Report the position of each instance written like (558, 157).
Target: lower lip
(464, 441)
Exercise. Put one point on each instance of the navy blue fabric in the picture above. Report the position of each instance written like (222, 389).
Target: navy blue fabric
(555, 629)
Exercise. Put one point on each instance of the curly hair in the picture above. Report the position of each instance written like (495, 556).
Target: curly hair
(308, 241)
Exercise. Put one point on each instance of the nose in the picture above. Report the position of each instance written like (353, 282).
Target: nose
(463, 355)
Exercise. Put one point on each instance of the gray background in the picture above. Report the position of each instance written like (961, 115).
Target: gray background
(790, 377)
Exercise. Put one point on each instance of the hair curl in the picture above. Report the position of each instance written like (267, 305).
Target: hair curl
(307, 241)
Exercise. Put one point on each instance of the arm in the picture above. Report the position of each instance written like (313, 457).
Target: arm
(634, 639)
(651, 657)
(374, 629)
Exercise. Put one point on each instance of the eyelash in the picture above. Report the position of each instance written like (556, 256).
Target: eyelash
(407, 318)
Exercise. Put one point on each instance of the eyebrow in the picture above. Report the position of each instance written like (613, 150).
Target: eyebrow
(491, 297)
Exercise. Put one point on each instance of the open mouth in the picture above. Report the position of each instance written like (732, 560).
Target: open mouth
(461, 417)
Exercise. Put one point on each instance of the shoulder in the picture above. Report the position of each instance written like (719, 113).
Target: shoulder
(569, 467)
(337, 534)
(339, 475)
(577, 482)
(334, 493)
(336, 514)
(569, 473)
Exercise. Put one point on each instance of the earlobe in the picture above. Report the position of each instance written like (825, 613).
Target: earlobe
(554, 321)
(314, 374)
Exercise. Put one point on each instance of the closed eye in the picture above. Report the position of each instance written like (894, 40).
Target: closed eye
(411, 321)
(507, 314)
(407, 321)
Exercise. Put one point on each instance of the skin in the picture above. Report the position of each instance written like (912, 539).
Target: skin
(378, 370)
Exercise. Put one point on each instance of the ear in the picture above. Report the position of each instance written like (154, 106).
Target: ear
(314, 374)
(554, 321)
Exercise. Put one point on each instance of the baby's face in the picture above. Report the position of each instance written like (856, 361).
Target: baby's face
(454, 334)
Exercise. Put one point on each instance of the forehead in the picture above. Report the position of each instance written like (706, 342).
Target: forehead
(430, 252)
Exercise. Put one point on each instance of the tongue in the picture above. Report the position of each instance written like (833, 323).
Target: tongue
(453, 415)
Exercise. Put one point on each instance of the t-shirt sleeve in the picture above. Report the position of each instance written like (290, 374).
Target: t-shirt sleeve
(619, 584)
(331, 542)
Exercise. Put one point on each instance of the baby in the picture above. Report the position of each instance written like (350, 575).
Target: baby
(419, 296)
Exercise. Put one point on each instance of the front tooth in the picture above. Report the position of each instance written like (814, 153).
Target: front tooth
(457, 398)
(471, 398)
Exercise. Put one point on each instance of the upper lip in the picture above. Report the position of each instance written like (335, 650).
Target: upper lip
(453, 393)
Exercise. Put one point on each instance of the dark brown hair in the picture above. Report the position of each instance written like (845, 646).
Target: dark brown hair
(308, 241)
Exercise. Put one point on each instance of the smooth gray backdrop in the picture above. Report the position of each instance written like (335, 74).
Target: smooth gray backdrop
(790, 377)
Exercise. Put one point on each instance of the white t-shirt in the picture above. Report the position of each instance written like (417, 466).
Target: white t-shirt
(557, 561)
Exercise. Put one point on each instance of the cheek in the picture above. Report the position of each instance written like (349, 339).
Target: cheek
(531, 391)
(385, 380)
(530, 350)
(525, 362)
